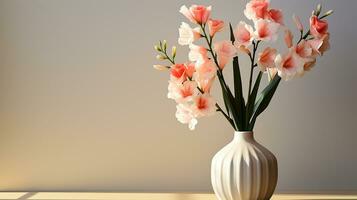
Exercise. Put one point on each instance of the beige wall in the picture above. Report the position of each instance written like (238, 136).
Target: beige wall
(81, 108)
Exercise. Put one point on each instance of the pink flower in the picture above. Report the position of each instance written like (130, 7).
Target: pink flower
(215, 26)
(206, 84)
(276, 16)
(180, 72)
(182, 92)
(303, 49)
(320, 45)
(184, 115)
(318, 28)
(298, 23)
(197, 53)
(205, 70)
(187, 34)
(190, 69)
(225, 51)
(266, 30)
(288, 38)
(196, 13)
(266, 59)
(256, 9)
(289, 65)
(243, 34)
(204, 105)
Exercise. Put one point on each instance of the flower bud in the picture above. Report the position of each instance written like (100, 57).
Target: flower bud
(160, 67)
(328, 13)
(161, 57)
(173, 51)
(164, 43)
(157, 48)
(318, 9)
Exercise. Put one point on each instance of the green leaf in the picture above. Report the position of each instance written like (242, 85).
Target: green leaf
(264, 99)
(252, 97)
(229, 99)
(238, 89)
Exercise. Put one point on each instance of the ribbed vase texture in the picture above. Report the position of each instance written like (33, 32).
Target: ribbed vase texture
(244, 170)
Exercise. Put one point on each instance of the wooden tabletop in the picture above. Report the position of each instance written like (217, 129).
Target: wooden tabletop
(150, 196)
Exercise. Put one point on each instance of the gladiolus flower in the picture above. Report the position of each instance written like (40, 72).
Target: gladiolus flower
(243, 35)
(205, 70)
(276, 16)
(289, 65)
(318, 27)
(266, 59)
(184, 115)
(204, 105)
(320, 45)
(215, 26)
(187, 34)
(180, 72)
(196, 13)
(197, 53)
(225, 51)
(256, 9)
(303, 49)
(266, 30)
(206, 84)
(298, 23)
(182, 92)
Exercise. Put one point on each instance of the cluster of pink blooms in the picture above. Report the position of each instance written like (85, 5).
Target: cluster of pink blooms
(190, 82)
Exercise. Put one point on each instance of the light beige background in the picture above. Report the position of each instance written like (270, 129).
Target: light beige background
(82, 110)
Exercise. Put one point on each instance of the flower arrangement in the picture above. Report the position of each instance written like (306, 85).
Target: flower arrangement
(190, 82)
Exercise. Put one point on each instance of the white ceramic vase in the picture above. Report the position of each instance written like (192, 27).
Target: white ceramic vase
(244, 170)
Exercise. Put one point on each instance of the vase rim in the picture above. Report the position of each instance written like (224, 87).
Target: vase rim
(243, 132)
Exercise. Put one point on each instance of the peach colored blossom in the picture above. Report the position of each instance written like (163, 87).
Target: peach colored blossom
(190, 69)
(197, 53)
(276, 16)
(225, 51)
(318, 27)
(178, 73)
(266, 30)
(266, 59)
(320, 45)
(215, 26)
(206, 84)
(204, 105)
(288, 38)
(298, 23)
(205, 70)
(184, 115)
(243, 34)
(289, 65)
(196, 13)
(182, 92)
(303, 49)
(256, 9)
(187, 34)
